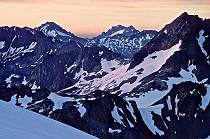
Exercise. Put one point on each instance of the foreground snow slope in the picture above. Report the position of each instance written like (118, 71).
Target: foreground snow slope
(18, 123)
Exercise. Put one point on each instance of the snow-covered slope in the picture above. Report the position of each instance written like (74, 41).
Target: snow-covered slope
(148, 66)
(151, 63)
(166, 55)
(18, 123)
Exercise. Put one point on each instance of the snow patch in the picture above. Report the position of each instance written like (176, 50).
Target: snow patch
(24, 101)
(61, 33)
(101, 53)
(79, 45)
(34, 86)
(69, 68)
(82, 110)
(13, 40)
(2, 44)
(30, 48)
(116, 115)
(32, 32)
(118, 32)
(115, 130)
(176, 105)
(206, 98)
(148, 37)
(13, 99)
(58, 100)
(52, 33)
(147, 117)
(169, 103)
(168, 118)
(201, 40)
(9, 79)
(79, 74)
(108, 65)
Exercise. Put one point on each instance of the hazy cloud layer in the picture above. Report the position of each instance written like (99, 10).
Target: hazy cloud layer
(90, 17)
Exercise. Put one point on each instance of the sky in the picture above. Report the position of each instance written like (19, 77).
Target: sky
(88, 18)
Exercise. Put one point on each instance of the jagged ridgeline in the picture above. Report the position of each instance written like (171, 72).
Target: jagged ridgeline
(162, 92)
(50, 57)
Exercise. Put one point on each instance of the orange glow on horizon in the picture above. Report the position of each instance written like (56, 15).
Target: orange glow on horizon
(88, 18)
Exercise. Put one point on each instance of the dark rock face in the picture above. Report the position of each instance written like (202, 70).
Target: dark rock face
(123, 40)
(28, 56)
(6, 94)
(44, 107)
(188, 29)
(184, 28)
(184, 109)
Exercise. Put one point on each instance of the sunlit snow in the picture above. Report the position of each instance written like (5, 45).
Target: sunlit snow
(149, 65)
(108, 65)
(118, 32)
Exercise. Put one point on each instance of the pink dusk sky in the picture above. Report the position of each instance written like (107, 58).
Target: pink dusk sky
(87, 18)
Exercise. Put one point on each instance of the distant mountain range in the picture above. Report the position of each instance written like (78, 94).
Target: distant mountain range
(161, 92)
(123, 40)
(120, 39)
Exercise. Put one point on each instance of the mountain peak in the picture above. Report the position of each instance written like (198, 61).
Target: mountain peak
(56, 31)
(183, 28)
(131, 26)
(50, 23)
(184, 14)
(50, 26)
(117, 27)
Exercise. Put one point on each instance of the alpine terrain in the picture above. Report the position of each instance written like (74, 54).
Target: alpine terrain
(163, 91)
(123, 40)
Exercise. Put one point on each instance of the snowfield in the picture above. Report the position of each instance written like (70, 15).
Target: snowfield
(18, 123)
(116, 77)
